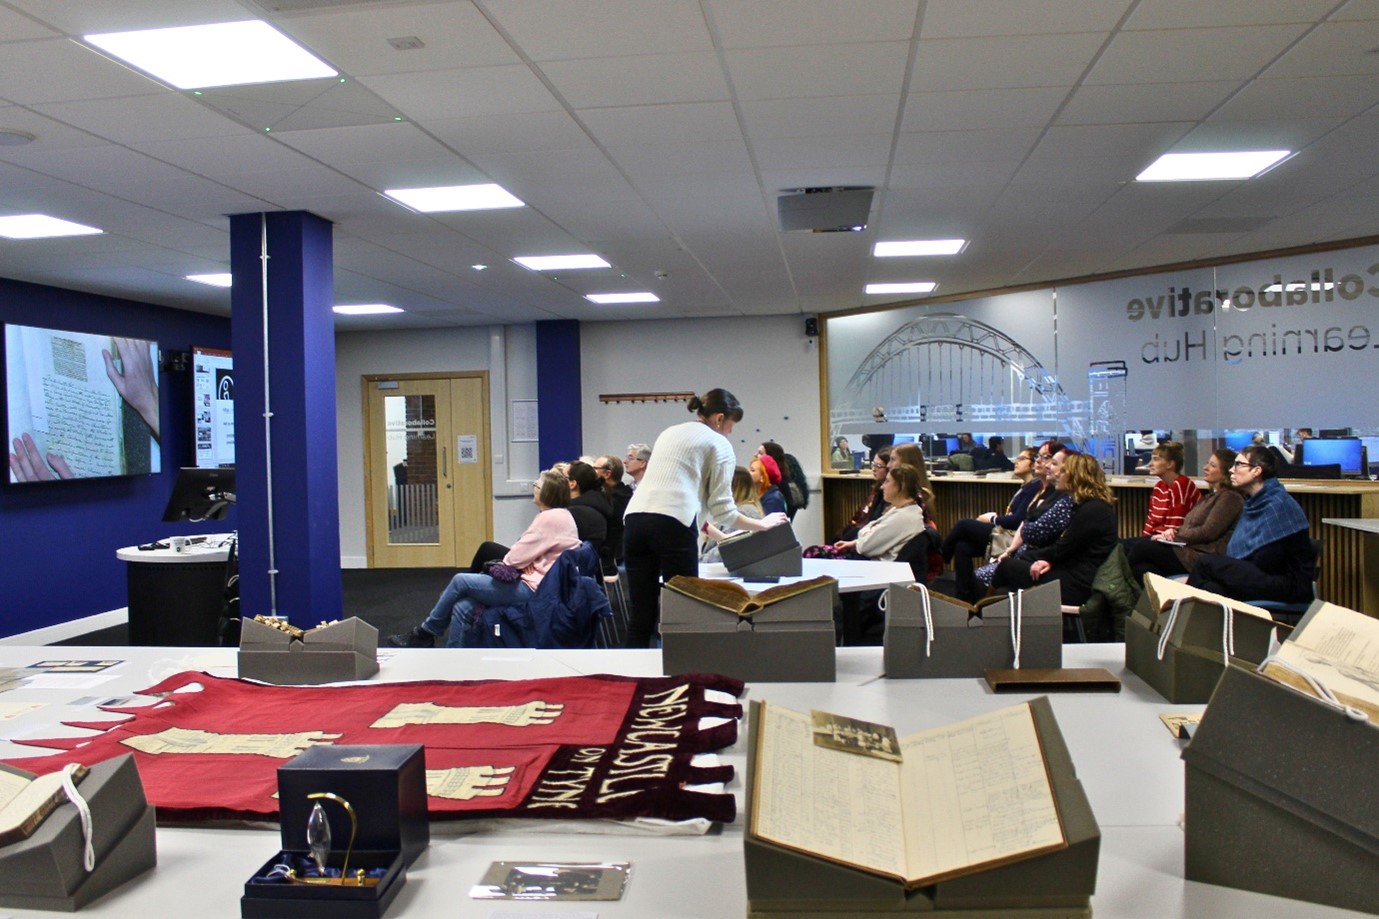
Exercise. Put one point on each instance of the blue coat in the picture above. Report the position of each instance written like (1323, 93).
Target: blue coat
(563, 613)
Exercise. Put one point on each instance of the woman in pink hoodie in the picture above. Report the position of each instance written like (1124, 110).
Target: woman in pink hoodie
(551, 533)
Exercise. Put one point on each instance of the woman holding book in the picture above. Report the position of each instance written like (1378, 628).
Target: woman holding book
(1088, 539)
(1205, 530)
(691, 466)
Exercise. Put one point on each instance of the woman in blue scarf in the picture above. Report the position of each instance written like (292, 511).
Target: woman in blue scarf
(1270, 555)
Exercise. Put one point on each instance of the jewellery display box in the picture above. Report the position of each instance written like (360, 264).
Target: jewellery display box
(1185, 666)
(784, 883)
(970, 640)
(770, 553)
(782, 634)
(385, 785)
(345, 650)
(46, 870)
(1278, 797)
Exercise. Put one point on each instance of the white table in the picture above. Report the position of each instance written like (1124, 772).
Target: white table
(1127, 760)
(852, 574)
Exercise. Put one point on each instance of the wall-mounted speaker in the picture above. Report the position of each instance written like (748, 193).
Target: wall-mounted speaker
(811, 326)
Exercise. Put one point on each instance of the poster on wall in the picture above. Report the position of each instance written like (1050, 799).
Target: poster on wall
(80, 405)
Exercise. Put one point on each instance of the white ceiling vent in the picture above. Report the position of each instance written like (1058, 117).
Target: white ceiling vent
(825, 210)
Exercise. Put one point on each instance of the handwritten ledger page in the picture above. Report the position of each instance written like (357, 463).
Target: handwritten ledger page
(966, 796)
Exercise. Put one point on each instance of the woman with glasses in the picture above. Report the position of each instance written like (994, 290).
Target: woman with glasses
(875, 504)
(1087, 540)
(1204, 531)
(969, 537)
(1270, 555)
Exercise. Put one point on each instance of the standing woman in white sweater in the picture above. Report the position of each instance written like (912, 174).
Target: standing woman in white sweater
(691, 466)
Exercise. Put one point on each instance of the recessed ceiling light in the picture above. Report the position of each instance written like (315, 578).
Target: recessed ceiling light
(221, 54)
(560, 262)
(907, 287)
(41, 226)
(215, 280)
(478, 267)
(644, 296)
(442, 198)
(365, 309)
(1205, 167)
(918, 247)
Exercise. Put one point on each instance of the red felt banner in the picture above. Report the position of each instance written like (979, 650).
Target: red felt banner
(582, 747)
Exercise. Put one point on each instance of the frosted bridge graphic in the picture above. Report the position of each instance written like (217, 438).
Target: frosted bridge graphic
(945, 372)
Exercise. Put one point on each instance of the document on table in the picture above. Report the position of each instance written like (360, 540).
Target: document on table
(965, 797)
(1339, 647)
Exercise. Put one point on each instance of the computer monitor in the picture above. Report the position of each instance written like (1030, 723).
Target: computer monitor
(1347, 452)
(1334, 433)
(201, 494)
(950, 445)
(1239, 440)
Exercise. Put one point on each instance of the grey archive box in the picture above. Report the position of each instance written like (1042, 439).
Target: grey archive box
(769, 553)
(345, 650)
(784, 883)
(46, 870)
(1279, 797)
(970, 640)
(1193, 658)
(783, 634)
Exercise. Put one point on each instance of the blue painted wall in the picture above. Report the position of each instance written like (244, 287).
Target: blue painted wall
(58, 540)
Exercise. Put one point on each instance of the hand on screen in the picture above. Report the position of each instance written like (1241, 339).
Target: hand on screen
(27, 466)
(134, 379)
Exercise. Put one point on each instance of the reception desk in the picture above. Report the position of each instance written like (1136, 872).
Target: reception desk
(1344, 569)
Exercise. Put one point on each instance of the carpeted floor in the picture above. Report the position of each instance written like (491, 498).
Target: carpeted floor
(389, 599)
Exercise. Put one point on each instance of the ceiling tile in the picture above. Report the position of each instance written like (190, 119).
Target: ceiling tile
(1192, 55)
(804, 118)
(959, 64)
(686, 122)
(463, 93)
(574, 29)
(810, 71)
(638, 79)
(984, 108)
(983, 18)
(1145, 102)
(753, 24)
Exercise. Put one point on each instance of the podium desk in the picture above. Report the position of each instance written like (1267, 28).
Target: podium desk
(175, 598)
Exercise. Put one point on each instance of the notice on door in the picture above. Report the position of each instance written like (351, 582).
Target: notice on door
(467, 448)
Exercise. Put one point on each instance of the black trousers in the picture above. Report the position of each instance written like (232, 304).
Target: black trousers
(487, 552)
(655, 548)
(1014, 573)
(967, 540)
(1153, 555)
(1240, 580)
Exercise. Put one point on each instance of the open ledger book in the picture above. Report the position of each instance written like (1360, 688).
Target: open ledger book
(1340, 648)
(25, 800)
(964, 798)
(1163, 591)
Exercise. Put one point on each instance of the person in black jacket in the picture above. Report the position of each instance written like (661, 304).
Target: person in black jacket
(794, 486)
(610, 470)
(1087, 540)
(591, 509)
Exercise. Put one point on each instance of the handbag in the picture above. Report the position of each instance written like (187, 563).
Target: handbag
(1001, 538)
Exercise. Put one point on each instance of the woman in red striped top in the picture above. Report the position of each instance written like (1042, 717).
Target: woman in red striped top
(1174, 494)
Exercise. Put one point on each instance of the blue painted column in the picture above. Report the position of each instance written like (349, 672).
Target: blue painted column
(300, 356)
(558, 391)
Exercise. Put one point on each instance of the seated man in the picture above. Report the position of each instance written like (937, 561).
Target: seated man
(992, 456)
(1269, 556)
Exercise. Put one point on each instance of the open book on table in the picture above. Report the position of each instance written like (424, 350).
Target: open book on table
(26, 800)
(1163, 591)
(1338, 647)
(964, 798)
(734, 598)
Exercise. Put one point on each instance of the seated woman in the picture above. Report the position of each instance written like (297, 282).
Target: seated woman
(1088, 539)
(875, 504)
(766, 474)
(969, 537)
(1206, 529)
(1173, 496)
(841, 455)
(903, 520)
(1269, 556)
(551, 533)
(910, 455)
(1047, 513)
(745, 497)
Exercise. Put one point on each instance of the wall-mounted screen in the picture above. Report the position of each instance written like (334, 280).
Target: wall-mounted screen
(80, 405)
(213, 406)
